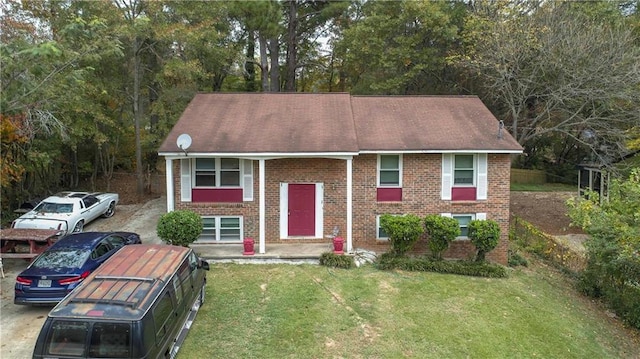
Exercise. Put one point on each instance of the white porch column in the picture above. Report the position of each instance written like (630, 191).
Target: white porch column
(169, 178)
(349, 204)
(261, 195)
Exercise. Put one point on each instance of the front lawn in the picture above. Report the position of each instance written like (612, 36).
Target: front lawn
(307, 311)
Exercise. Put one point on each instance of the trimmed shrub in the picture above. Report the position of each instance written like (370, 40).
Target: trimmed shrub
(330, 259)
(404, 231)
(442, 231)
(484, 235)
(389, 261)
(179, 228)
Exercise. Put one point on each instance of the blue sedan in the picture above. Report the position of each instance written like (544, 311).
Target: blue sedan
(64, 265)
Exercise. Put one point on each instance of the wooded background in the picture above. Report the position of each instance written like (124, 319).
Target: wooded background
(93, 87)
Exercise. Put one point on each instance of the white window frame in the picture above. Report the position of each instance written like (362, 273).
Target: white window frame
(478, 216)
(456, 216)
(218, 228)
(379, 169)
(474, 168)
(218, 172)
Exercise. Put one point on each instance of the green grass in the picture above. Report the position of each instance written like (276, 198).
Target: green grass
(545, 187)
(307, 311)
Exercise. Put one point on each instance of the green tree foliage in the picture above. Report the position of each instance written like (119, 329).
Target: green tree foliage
(403, 231)
(399, 47)
(484, 234)
(562, 75)
(613, 247)
(180, 227)
(441, 231)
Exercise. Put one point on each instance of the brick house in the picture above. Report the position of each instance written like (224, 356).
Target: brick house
(293, 167)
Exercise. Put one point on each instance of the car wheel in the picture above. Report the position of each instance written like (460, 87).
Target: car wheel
(110, 211)
(79, 227)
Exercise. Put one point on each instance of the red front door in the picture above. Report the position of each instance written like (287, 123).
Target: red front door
(302, 209)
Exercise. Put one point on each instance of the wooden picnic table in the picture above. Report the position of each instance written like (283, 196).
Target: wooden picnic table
(36, 240)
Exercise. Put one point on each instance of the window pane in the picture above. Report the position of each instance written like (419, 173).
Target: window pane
(230, 222)
(205, 180)
(463, 177)
(391, 162)
(230, 163)
(389, 177)
(110, 340)
(205, 163)
(464, 161)
(229, 234)
(209, 222)
(463, 221)
(382, 233)
(229, 178)
(208, 233)
(208, 228)
(68, 338)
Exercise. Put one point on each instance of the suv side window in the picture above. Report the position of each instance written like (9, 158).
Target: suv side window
(161, 315)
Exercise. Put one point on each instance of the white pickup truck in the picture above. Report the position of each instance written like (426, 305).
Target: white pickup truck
(68, 211)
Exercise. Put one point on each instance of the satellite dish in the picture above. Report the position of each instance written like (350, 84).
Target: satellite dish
(184, 141)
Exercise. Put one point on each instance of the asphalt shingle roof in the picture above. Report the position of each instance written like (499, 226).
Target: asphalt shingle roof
(292, 123)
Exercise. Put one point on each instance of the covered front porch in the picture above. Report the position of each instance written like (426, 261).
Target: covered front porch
(304, 252)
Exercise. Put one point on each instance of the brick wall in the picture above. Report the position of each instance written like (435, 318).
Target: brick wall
(420, 196)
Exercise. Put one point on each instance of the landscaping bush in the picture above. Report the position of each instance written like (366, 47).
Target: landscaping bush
(388, 261)
(179, 228)
(441, 231)
(613, 246)
(403, 231)
(330, 259)
(484, 235)
(516, 259)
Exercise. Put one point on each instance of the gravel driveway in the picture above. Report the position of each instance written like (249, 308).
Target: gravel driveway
(20, 325)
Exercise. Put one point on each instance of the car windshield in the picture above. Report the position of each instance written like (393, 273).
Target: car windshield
(49, 207)
(64, 258)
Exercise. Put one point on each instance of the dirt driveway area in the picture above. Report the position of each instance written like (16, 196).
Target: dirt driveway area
(20, 325)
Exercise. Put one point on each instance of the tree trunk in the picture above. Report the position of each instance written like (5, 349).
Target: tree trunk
(292, 47)
(136, 116)
(249, 66)
(275, 66)
(264, 63)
